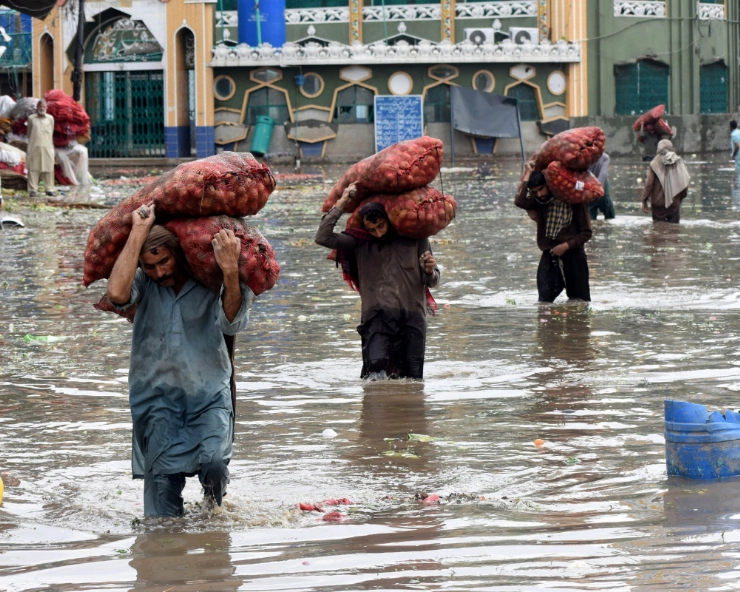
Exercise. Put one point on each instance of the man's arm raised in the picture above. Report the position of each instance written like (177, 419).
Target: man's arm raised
(227, 248)
(122, 277)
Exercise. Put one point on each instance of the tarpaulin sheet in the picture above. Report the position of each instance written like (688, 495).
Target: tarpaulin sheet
(35, 8)
(484, 114)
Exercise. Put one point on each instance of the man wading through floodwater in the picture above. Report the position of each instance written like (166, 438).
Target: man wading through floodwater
(392, 274)
(562, 230)
(181, 369)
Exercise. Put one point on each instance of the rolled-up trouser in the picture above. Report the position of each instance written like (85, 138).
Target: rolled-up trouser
(393, 341)
(572, 275)
(46, 177)
(163, 493)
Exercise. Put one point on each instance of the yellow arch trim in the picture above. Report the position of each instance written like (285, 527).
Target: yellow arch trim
(537, 94)
(336, 93)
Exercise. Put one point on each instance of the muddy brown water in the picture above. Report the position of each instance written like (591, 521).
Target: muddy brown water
(590, 509)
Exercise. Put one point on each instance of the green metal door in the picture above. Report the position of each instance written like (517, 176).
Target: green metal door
(526, 100)
(126, 114)
(713, 83)
(640, 87)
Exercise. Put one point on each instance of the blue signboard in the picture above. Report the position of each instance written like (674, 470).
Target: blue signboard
(397, 118)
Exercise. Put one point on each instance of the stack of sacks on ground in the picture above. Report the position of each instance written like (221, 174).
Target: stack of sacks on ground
(71, 121)
(653, 123)
(398, 177)
(195, 201)
(565, 158)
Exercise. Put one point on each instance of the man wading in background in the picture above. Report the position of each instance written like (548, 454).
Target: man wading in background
(40, 154)
(181, 370)
(393, 275)
(562, 230)
(735, 145)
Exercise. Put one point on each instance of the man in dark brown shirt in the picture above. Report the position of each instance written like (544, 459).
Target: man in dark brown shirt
(392, 274)
(562, 230)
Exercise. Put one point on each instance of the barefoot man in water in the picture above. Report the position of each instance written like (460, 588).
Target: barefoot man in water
(180, 373)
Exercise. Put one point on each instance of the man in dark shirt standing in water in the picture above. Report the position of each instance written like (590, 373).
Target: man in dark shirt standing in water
(562, 230)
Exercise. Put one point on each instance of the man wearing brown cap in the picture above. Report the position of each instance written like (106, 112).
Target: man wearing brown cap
(180, 375)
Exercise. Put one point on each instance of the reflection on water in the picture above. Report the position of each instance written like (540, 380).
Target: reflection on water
(589, 508)
(189, 561)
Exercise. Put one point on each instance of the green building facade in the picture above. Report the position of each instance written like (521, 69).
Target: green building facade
(568, 62)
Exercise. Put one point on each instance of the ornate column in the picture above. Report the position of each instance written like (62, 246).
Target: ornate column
(543, 21)
(355, 21)
(447, 16)
(569, 21)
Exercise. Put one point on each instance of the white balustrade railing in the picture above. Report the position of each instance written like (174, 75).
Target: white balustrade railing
(710, 12)
(298, 16)
(644, 8)
(402, 12)
(425, 52)
(500, 9)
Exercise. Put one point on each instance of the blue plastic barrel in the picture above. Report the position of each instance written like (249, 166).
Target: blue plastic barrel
(700, 444)
(262, 135)
(271, 22)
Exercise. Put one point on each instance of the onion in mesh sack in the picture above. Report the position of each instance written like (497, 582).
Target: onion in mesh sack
(400, 167)
(232, 184)
(576, 148)
(574, 187)
(419, 213)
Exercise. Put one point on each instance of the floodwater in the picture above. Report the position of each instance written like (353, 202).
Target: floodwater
(590, 509)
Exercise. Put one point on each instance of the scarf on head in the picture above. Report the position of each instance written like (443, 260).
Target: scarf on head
(559, 215)
(159, 236)
(347, 260)
(671, 171)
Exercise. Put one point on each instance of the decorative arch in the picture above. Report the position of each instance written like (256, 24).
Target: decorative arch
(337, 90)
(46, 63)
(539, 105)
(185, 97)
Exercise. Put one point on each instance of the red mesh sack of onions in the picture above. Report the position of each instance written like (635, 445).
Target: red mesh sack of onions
(662, 128)
(70, 118)
(419, 213)
(575, 187)
(398, 168)
(258, 267)
(576, 148)
(649, 117)
(232, 184)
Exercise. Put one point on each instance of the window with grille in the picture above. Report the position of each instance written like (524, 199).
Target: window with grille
(355, 104)
(267, 101)
(640, 86)
(526, 98)
(713, 85)
(437, 104)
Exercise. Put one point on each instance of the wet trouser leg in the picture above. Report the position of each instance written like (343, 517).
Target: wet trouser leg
(573, 276)
(575, 270)
(413, 352)
(376, 348)
(550, 280)
(213, 477)
(163, 495)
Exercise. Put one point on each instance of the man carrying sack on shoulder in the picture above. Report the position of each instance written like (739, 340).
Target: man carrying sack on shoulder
(181, 372)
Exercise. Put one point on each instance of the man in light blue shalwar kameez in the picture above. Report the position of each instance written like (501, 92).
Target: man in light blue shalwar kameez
(180, 371)
(735, 146)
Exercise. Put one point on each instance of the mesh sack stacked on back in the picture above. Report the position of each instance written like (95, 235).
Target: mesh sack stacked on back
(194, 201)
(398, 177)
(565, 159)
